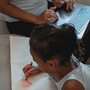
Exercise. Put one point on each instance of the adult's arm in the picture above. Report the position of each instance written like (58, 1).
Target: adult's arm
(11, 10)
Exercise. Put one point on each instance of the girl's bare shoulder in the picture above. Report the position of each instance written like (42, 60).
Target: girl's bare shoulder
(73, 85)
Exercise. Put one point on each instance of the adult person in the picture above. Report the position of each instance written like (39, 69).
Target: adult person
(22, 16)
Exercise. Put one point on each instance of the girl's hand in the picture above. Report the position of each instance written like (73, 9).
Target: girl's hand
(30, 70)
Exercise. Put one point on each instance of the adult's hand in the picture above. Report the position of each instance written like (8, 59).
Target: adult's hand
(69, 4)
(61, 3)
(47, 15)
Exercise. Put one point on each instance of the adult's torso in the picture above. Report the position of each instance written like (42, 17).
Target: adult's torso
(35, 7)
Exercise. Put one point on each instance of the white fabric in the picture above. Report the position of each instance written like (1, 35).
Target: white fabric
(35, 7)
(19, 57)
(81, 73)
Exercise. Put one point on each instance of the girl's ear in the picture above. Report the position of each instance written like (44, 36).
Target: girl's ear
(53, 62)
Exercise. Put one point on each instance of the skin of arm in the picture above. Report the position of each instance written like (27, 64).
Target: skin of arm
(73, 85)
(7, 8)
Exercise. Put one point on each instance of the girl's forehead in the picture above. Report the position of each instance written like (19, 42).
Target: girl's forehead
(35, 56)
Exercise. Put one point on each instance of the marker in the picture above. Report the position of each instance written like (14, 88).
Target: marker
(31, 64)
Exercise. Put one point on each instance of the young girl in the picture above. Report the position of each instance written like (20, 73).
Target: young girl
(52, 49)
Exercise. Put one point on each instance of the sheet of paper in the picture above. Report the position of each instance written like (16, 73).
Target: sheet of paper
(20, 56)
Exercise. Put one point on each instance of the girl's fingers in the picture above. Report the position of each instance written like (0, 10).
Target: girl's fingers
(26, 68)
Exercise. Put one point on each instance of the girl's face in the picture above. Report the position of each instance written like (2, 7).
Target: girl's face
(51, 66)
(47, 67)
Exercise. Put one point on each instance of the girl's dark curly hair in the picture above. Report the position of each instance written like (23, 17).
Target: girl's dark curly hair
(48, 41)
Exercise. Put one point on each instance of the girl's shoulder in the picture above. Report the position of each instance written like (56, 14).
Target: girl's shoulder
(72, 85)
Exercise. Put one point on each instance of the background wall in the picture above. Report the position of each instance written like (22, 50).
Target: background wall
(3, 27)
(87, 2)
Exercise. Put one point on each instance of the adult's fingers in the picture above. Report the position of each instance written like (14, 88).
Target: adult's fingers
(51, 14)
(53, 8)
(70, 4)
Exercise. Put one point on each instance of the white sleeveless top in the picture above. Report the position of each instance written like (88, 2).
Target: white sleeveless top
(35, 7)
(81, 74)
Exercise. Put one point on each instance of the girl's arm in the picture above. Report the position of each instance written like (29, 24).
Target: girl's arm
(73, 85)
